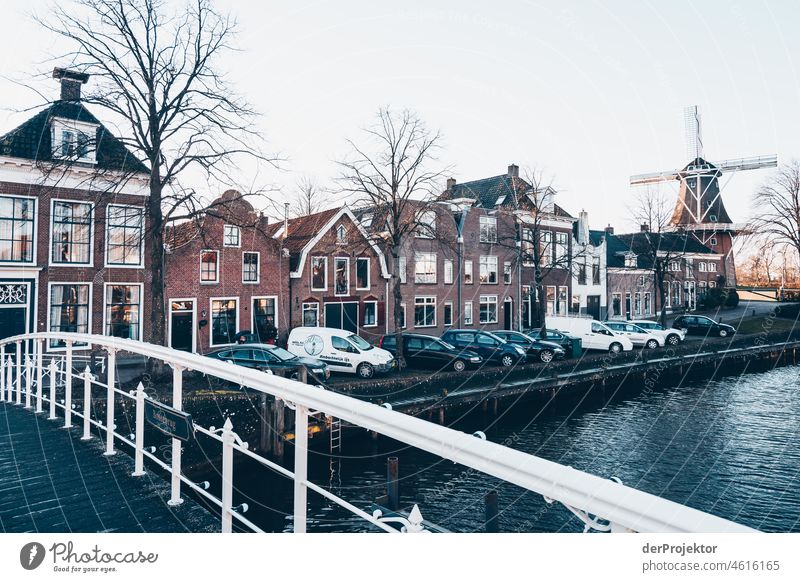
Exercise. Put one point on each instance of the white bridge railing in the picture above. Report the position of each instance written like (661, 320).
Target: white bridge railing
(602, 504)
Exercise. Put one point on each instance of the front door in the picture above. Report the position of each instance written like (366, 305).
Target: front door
(627, 305)
(342, 316)
(593, 306)
(182, 329)
(508, 311)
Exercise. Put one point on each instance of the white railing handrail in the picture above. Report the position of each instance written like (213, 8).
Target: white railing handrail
(624, 506)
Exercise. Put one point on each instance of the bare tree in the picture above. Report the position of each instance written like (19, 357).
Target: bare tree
(157, 74)
(777, 208)
(309, 197)
(395, 174)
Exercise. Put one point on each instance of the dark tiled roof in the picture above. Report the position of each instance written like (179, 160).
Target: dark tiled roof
(303, 228)
(33, 139)
(638, 243)
(596, 236)
(182, 234)
(488, 191)
(558, 211)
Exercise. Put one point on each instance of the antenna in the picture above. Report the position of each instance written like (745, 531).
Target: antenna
(694, 141)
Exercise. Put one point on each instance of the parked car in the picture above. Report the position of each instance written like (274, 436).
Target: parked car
(487, 345)
(342, 350)
(543, 351)
(594, 334)
(637, 335)
(270, 357)
(427, 351)
(702, 325)
(555, 336)
(673, 336)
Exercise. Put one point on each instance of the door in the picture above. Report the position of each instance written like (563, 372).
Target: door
(508, 314)
(627, 305)
(342, 316)
(593, 306)
(12, 321)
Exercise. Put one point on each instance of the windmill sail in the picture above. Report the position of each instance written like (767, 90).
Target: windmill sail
(694, 141)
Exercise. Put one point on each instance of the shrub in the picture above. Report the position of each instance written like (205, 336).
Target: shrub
(732, 300)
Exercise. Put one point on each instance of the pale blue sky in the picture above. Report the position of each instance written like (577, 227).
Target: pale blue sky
(590, 92)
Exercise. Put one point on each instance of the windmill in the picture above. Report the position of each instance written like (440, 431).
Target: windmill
(699, 208)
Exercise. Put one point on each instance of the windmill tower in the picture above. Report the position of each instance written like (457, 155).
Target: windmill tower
(699, 209)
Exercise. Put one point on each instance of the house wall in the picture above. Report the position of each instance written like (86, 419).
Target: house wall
(586, 254)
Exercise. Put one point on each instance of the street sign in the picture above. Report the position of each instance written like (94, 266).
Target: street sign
(171, 422)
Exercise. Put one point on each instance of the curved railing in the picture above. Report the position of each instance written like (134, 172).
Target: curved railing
(603, 504)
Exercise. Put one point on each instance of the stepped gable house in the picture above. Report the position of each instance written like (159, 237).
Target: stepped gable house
(225, 274)
(73, 254)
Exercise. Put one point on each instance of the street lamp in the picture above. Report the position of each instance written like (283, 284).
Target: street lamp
(459, 208)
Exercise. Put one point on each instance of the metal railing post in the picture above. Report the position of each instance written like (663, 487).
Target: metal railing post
(19, 373)
(3, 373)
(9, 379)
(112, 368)
(87, 404)
(138, 469)
(39, 375)
(28, 380)
(227, 476)
(53, 373)
(177, 404)
(68, 387)
(300, 468)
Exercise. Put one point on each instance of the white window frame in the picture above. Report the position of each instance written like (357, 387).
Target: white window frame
(447, 267)
(507, 273)
(488, 229)
(467, 313)
(402, 267)
(311, 273)
(341, 234)
(487, 260)
(307, 305)
(258, 267)
(701, 266)
(637, 303)
(444, 314)
(363, 322)
(631, 261)
(141, 304)
(75, 346)
(488, 300)
(468, 273)
(34, 234)
(369, 273)
(712, 267)
(141, 241)
(428, 300)
(347, 272)
(713, 241)
(253, 311)
(429, 258)
(404, 323)
(647, 306)
(527, 248)
(211, 319)
(50, 261)
(61, 125)
(561, 242)
(216, 276)
(229, 228)
(546, 247)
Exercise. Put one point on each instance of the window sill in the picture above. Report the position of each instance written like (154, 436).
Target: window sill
(209, 282)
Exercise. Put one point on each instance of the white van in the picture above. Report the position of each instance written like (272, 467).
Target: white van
(594, 335)
(342, 350)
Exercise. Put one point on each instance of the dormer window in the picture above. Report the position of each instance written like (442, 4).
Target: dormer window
(74, 141)
(630, 260)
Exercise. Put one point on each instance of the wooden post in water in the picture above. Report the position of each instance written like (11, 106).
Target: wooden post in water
(278, 427)
(393, 483)
(494, 406)
(264, 441)
(492, 512)
(441, 416)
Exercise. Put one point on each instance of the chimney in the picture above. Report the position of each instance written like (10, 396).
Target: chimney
(285, 219)
(71, 82)
(583, 227)
(451, 182)
(513, 171)
(609, 229)
(645, 227)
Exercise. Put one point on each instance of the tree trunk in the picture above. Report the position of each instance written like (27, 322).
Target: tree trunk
(540, 310)
(397, 294)
(155, 234)
(662, 300)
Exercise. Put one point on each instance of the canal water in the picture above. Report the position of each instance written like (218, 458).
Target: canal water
(727, 447)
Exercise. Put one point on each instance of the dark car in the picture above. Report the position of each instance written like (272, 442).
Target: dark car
(269, 357)
(555, 336)
(701, 325)
(487, 345)
(427, 351)
(248, 337)
(543, 351)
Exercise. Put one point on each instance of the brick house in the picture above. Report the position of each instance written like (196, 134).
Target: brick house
(73, 253)
(338, 276)
(225, 274)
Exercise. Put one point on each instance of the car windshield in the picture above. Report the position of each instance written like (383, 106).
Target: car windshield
(359, 342)
(281, 354)
(446, 345)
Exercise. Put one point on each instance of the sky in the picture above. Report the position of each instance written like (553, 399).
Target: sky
(587, 92)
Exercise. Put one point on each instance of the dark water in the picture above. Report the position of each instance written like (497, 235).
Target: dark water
(729, 447)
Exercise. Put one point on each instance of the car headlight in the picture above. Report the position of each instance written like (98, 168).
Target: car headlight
(475, 359)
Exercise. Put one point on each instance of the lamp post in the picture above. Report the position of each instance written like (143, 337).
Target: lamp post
(459, 208)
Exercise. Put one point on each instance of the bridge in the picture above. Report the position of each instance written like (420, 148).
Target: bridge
(49, 464)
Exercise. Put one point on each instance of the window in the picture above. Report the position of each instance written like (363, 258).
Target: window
(713, 217)
(550, 293)
(73, 140)
(123, 306)
(575, 306)
(124, 235)
(527, 247)
(370, 313)
(628, 304)
(712, 284)
(16, 229)
(468, 313)
(448, 272)
(250, 270)
(424, 311)
(425, 268)
(637, 303)
(713, 241)
(341, 234)
(689, 268)
(468, 272)
(595, 271)
(311, 314)
(641, 280)
(488, 269)
(426, 224)
(701, 267)
(265, 320)
(546, 249)
(562, 300)
(224, 321)
(582, 273)
(71, 233)
(402, 263)
(69, 311)
(647, 303)
(319, 273)
(507, 272)
(488, 309)
(630, 260)
(448, 313)
(362, 273)
(674, 265)
(209, 267)
(342, 345)
(562, 248)
(341, 276)
(712, 267)
(676, 294)
(403, 316)
(231, 236)
(488, 229)
(616, 303)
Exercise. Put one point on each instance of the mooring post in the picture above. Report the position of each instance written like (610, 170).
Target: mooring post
(53, 371)
(177, 404)
(300, 467)
(393, 483)
(39, 375)
(227, 476)
(278, 427)
(19, 373)
(494, 406)
(28, 380)
(441, 415)
(264, 441)
(87, 404)
(112, 368)
(492, 512)
(138, 466)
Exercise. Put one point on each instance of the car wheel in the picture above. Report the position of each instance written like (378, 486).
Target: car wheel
(673, 340)
(459, 366)
(651, 344)
(615, 348)
(507, 360)
(546, 356)
(723, 333)
(365, 370)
